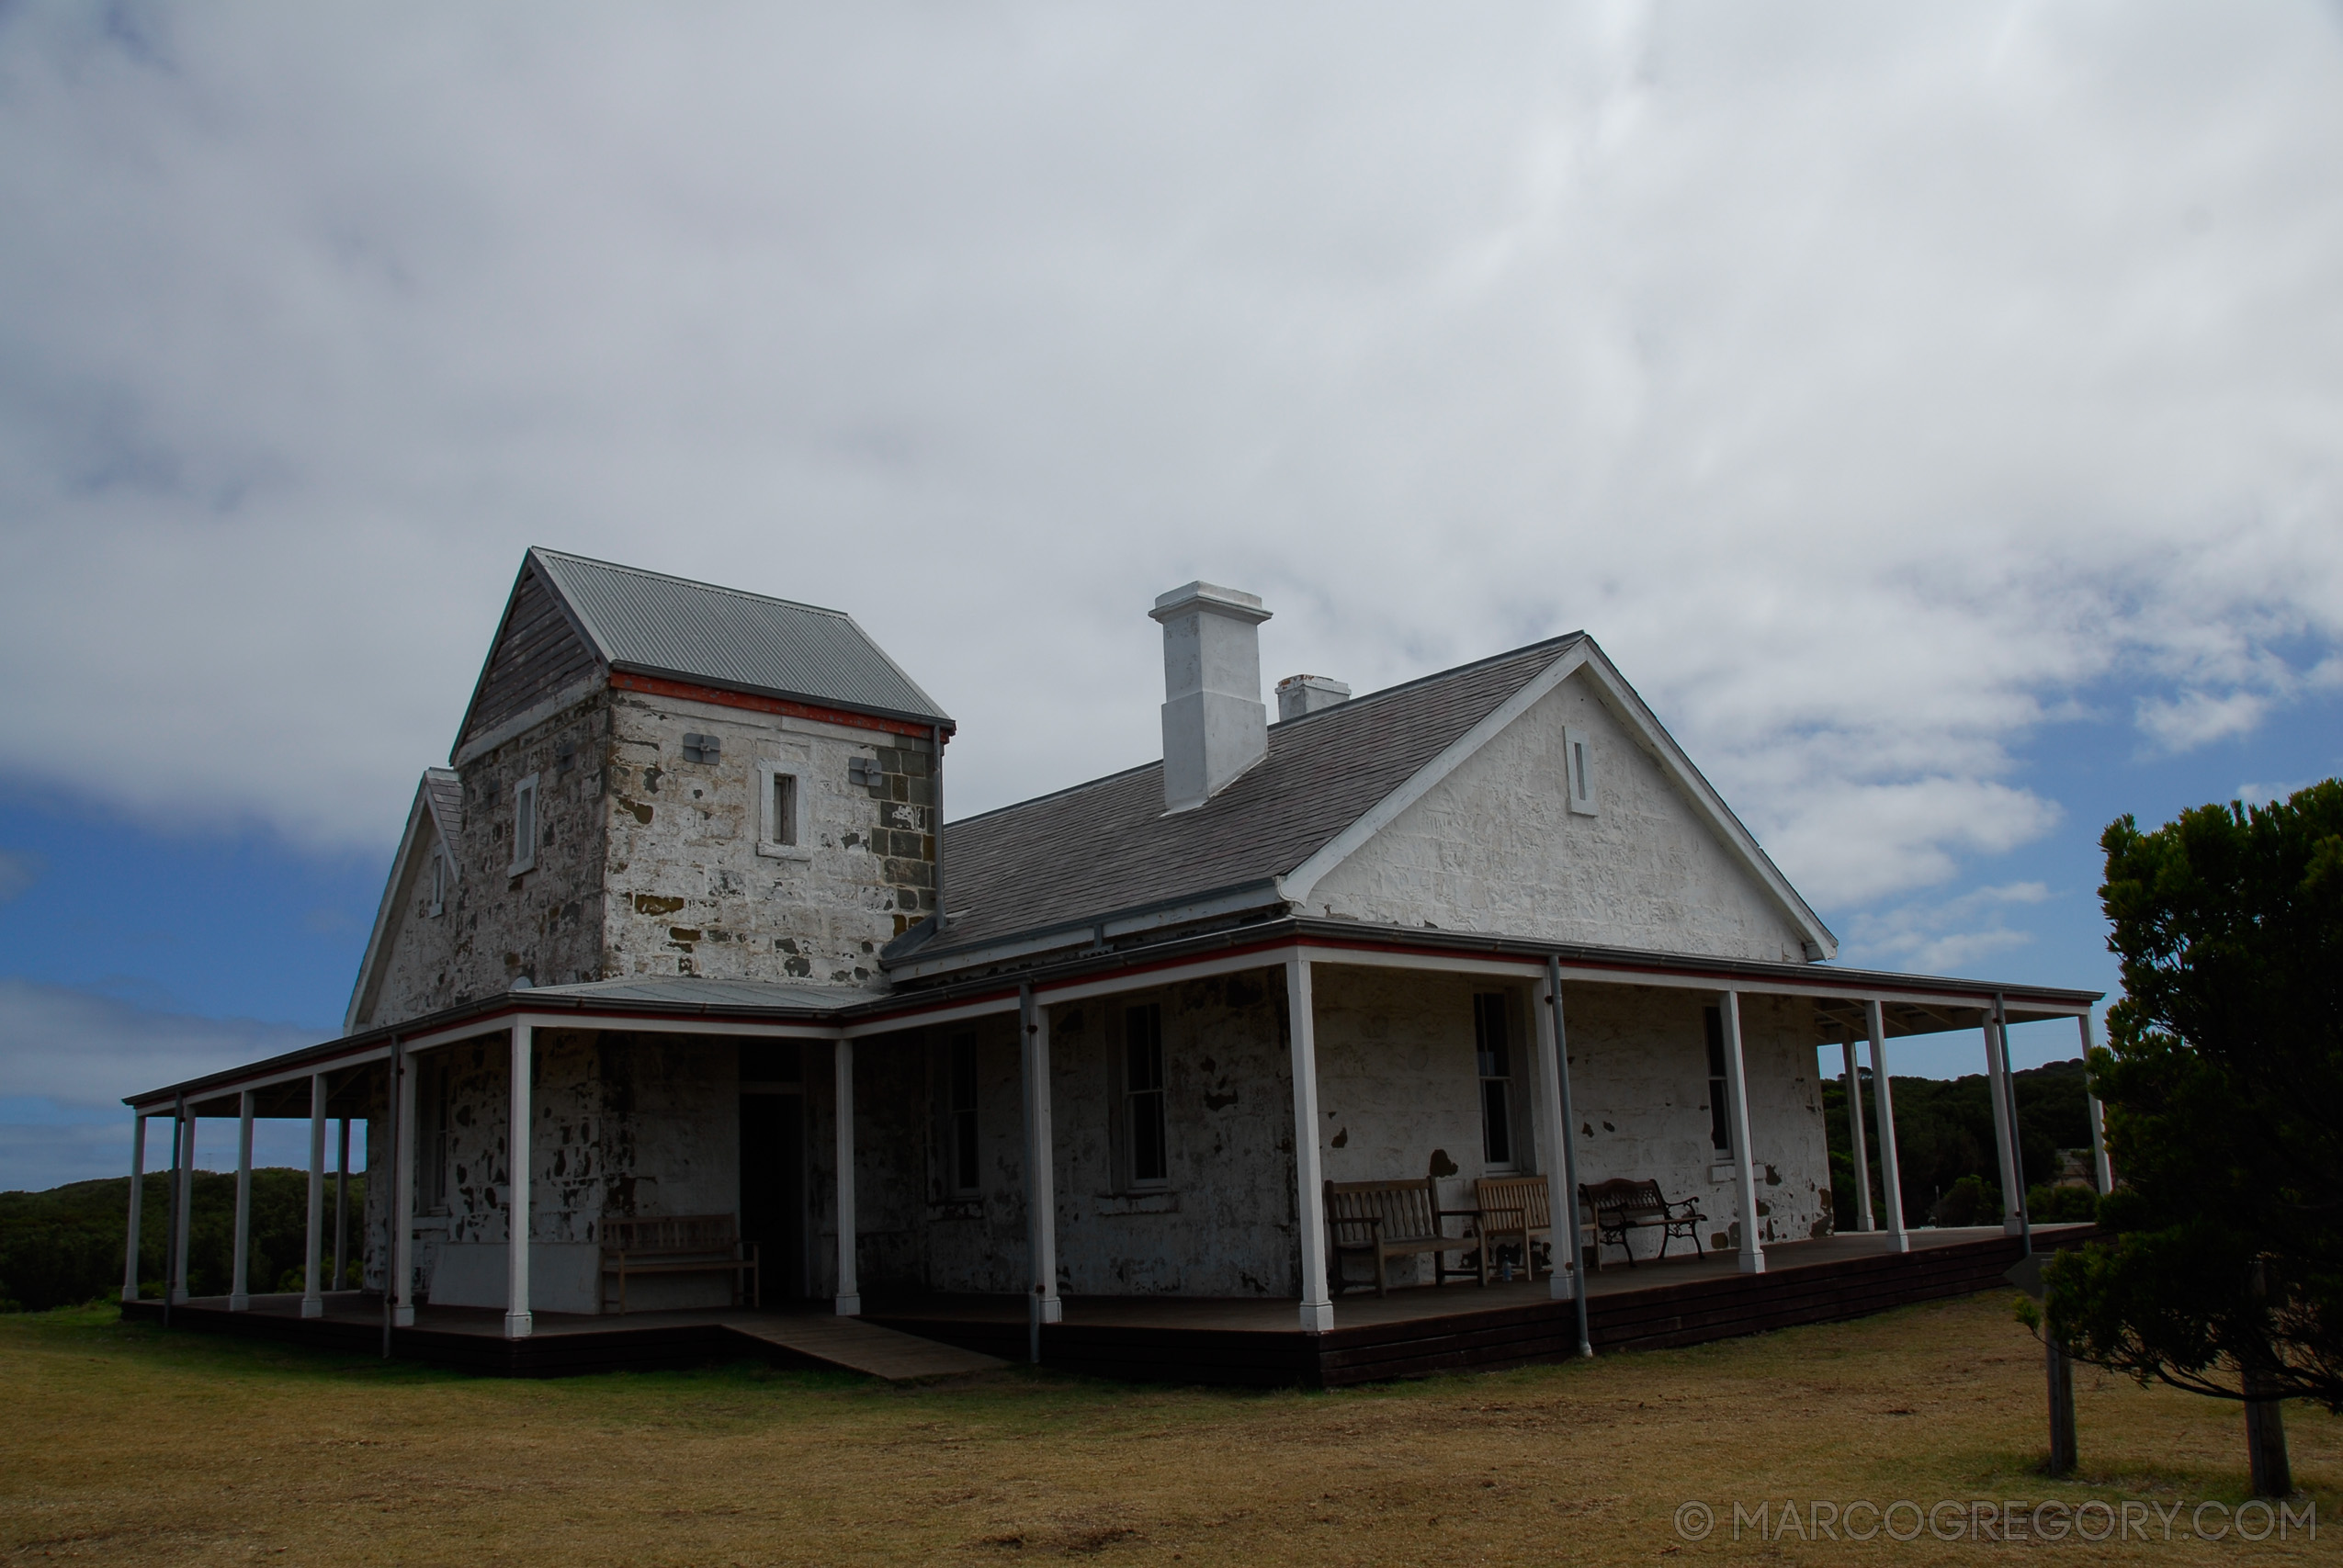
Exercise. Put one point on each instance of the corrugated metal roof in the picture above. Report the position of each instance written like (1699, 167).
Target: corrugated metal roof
(1107, 846)
(695, 631)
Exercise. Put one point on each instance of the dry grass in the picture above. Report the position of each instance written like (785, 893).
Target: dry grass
(124, 1444)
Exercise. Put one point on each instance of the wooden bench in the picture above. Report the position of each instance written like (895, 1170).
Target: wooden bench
(677, 1244)
(1621, 1206)
(1383, 1220)
(1521, 1206)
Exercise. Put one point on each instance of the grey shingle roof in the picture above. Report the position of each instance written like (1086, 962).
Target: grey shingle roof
(445, 788)
(655, 624)
(1088, 852)
(690, 990)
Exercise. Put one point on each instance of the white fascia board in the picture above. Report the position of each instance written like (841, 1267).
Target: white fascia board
(1363, 958)
(1254, 896)
(378, 939)
(1629, 709)
(161, 1105)
(950, 1012)
(530, 717)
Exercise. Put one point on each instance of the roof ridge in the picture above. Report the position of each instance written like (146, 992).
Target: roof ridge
(688, 581)
(1347, 704)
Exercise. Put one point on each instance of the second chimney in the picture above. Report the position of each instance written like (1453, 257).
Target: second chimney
(1298, 694)
(1214, 724)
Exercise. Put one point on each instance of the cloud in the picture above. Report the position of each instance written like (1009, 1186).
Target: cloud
(1949, 936)
(84, 1053)
(1876, 386)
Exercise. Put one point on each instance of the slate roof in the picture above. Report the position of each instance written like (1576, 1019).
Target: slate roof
(444, 787)
(654, 624)
(691, 990)
(1096, 850)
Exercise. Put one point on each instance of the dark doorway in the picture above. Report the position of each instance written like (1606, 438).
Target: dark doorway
(773, 1167)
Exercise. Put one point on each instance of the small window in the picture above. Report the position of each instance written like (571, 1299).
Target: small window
(703, 747)
(1143, 1108)
(782, 828)
(785, 809)
(1489, 1042)
(1720, 1122)
(438, 881)
(960, 1133)
(525, 825)
(1578, 765)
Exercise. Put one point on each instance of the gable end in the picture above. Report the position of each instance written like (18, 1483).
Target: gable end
(539, 652)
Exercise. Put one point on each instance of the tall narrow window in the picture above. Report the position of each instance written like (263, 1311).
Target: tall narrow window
(438, 881)
(1151, 1163)
(1495, 1055)
(961, 1067)
(525, 825)
(1720, 1124)
(785, 809)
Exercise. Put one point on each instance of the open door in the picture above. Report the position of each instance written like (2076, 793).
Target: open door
(772, 1166)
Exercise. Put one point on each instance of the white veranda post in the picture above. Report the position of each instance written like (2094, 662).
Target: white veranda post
(1883, 1099)
(240, 1287)
(1736, 1094)
(850, 1294)
(2100, 1169)
(518, 1322)
(1309, 1212)
(1041, 1183)
(2005, 1136)
(313, 1259)
(1863, 1220)
(138, 1203)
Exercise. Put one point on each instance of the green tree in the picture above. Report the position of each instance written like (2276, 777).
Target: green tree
(2222, 1079)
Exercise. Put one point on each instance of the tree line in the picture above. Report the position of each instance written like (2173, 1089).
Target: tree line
(1945, 1147)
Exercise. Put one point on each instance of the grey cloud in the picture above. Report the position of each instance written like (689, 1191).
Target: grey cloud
(84, 1053)
(1871, 381)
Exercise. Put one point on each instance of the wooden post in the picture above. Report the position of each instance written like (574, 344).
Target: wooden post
(2273, 1476)
(1562, 1206)
(2061, 1370)
(850, 1294)
(1736, 1088)
(2005, 1132)
(1855, 1124)
(401, 1282)
(313, 1260)
(138, 1203)
(1309, 1179)
(240, 1287)
(342, 1206)
(182, 1180)
(518, 1321)
(1883, 1100)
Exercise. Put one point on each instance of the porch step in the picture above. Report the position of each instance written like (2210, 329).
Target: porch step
(862, 1346)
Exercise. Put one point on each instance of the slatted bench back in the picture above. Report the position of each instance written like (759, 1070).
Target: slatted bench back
(1620, 1199)
(1408, 1211)
(1502, 1201)
(669, 1233)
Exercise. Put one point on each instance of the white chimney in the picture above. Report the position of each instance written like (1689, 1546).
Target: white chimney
(1214, 725)
(1298, 694)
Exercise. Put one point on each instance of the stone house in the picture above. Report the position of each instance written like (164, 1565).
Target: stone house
(680, 931)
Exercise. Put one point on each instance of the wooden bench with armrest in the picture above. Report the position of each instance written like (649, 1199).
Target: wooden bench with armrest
(1622, 1207)
(677, 1244)
(1522, 1207)
(1383, 1220)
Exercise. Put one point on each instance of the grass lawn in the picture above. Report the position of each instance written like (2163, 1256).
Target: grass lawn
(122, 1443)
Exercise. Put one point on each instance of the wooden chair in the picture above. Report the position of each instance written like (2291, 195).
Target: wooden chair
(1521, 1206)
(1621, 1206)
(1383, 1220)
(677, 1244)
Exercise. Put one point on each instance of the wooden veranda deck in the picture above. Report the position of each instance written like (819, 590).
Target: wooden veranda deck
(1250, 1341)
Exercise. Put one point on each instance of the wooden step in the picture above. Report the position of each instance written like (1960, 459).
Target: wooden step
(861, 1347)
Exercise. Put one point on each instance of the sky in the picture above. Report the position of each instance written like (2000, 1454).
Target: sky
(1936, 412)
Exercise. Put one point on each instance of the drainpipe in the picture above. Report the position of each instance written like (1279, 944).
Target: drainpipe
(2017, 1143)
(390, 1199)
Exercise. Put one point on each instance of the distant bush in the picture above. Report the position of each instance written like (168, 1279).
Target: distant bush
(65, 1247)
(2060, 1205)
(1968, 1201)
(1944, 1133)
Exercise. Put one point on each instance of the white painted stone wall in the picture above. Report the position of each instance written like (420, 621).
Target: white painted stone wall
(1494, 847)
(693, 890)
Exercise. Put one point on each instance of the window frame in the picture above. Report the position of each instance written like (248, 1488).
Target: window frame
(1496, 1007)
(1720, 1113)
(1137, 1107)
(439, 875)
(1579, 775)
(528, 807)
(962, 1115)
(770, 842)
